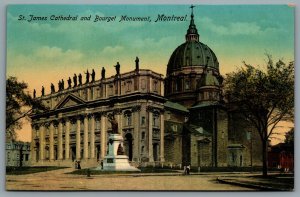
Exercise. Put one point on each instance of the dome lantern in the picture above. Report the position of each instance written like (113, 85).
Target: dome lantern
(192, 32)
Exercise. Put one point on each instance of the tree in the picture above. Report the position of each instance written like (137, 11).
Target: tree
(265, 96)
(19, 104)
(289, 139)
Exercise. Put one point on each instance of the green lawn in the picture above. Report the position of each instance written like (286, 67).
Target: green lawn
(29, 170)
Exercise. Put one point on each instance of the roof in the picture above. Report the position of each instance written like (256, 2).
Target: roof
(197, 129)
(176, 106)
(192, 53)
(206, 104)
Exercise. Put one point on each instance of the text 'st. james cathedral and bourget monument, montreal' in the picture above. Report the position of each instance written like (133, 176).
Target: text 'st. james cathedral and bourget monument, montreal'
(181, 119)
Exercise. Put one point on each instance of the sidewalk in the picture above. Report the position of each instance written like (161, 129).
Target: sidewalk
(273, 183)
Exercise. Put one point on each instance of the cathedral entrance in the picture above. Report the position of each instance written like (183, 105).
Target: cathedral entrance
(128, 145)
(73, 152)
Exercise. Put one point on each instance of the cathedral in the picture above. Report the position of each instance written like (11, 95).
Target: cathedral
(180, 119)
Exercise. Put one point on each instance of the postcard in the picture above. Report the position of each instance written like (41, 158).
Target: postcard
(150, 97)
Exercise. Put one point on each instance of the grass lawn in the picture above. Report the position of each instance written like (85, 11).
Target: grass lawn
(29, 170)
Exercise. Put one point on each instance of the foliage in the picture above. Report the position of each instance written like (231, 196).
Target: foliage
(19, 104)
(289, 137)
(266, 96)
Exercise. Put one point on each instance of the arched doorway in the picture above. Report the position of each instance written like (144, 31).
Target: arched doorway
(155, 151)
(128, 145)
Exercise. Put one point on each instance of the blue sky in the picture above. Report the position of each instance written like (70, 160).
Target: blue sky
(43, 52)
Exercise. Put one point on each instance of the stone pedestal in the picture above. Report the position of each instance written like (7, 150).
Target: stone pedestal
(116, 160)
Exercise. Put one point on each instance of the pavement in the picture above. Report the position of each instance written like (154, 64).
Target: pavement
(277, 182)
(57, 180)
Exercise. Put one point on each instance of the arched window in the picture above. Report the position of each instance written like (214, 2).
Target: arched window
(156, 119)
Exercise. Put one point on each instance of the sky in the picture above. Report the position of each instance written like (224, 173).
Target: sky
(42, 52)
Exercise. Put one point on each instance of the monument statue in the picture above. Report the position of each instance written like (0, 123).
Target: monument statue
(93, 75)
(80, 79)
(59, 85)
(34, 93)
(118, 68)
(52, 88)
(114, 124)
(103, 73)
(62, 84)
(137, 66)
(87, 76)
(43, 91)
(69, 82)
(75, 80)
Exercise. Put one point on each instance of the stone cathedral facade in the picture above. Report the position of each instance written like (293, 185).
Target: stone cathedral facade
(182, 119)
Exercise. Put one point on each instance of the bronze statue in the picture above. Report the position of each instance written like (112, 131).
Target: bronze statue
(43, 91)
(80, 79)
(118, 68)
(137, 66)
(87, 76)
(52, 88)
(103, 73)
(93, 75)
(75, 80)
(69, 82)
(114, 124)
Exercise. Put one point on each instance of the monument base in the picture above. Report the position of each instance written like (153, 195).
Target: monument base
(116, 160)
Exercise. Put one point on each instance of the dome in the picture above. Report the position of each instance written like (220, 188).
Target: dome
(192, 53)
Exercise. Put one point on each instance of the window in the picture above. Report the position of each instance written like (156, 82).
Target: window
(128, 84)
(8, 156)
(174, 127)
(143, 135)
(142, 150)
(143, 84)
(26, 157)
(187, 84)
(143, 120)
(128, 118)
(155, 119)
(155, 86)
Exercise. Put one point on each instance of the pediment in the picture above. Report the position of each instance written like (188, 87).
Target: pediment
(69, 101)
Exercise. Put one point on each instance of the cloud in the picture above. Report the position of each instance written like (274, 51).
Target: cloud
(234, 28)
(56, 53)
(112, 49)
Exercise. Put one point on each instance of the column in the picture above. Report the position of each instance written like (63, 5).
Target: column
(32, 145)
(42, 142)
(59, 140)
(85, 138)
(51, 140)
(78, 157)
(120, 122)
(136, 139)
(88, 94)
(162, 137)
(67, 140)
(150, 144)
(92, 140)
(103, 136)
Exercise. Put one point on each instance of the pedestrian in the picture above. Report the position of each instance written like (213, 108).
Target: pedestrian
(78, 165)
(188, 168)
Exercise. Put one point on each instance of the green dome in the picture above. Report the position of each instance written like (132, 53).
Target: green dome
(192, 53)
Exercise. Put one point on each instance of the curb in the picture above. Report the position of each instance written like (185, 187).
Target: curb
(249, 185)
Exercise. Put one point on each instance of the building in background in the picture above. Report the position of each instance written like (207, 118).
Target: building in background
(17, 153)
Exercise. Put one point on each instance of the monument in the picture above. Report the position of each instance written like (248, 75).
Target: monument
(115, 160)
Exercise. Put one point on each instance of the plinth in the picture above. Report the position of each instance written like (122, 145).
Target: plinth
(116, 160)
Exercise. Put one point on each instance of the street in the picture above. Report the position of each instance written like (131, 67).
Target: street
(58, 180)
